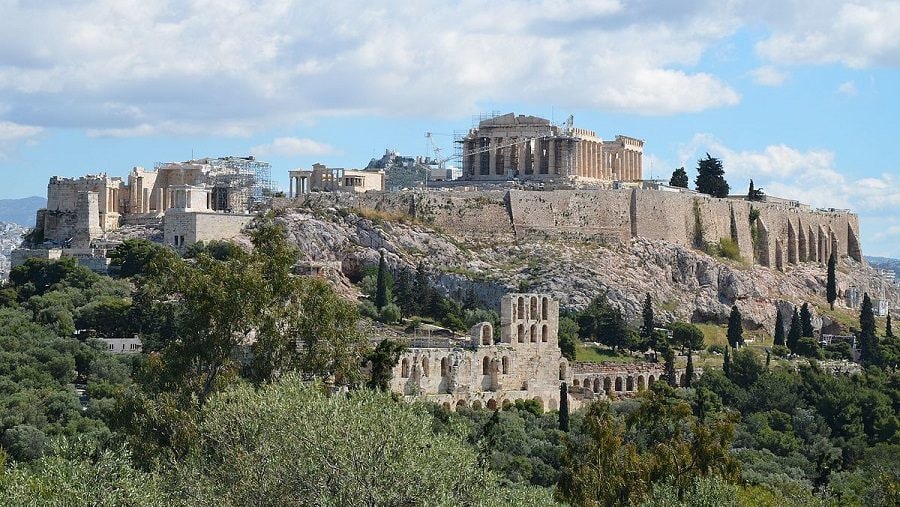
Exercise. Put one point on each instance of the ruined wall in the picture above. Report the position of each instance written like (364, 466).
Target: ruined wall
(190, 227)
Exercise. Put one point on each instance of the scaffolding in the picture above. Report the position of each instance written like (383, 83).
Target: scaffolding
(236, 184)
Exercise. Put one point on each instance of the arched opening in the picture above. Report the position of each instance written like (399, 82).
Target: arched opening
(492, 404)
(596, 385)
(460, 404)
(575, 383)
(619, 384)
(534, 333)
(682, 381)
(540, 401)
(425, 369)
(651, 380)
(521, 305)
(445, 367)
(486, 366)
(607, 384)
(545, 333)
(534, 309)
(447, 405)
(553, 404)
(640, 382)
(562, 371)
(505, 364)
(404, 368)
(521, 332)
(476, 405)
(629, 384)
(545, 303)
(487, 334)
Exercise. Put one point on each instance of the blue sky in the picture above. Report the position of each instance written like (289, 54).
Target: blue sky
(802, 99)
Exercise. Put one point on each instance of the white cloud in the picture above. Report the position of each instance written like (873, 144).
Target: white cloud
(14, 134)
(291, 147)
(848, 89)
(768, 76)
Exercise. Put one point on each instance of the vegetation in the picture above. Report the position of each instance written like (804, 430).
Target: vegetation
(679, 178)
(711, 177)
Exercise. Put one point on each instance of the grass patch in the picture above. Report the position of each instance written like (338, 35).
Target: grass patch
(593, 354)
(669, 306)
(714, 334)
(379, 217)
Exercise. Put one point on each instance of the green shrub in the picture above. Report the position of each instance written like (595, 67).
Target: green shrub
(367, 309)
(728, 248)
(780, 351)
(390, 313)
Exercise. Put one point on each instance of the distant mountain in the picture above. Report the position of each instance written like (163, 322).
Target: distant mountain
(885, 263)
(21, 211)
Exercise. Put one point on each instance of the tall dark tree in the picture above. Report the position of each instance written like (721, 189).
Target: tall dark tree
(648, 325)
(403, 292)
(888, 330)
(679, 178)
(735, 328)
(689, 370)
(711, 177)
(383, 359)
(470, 302)
(669, 373)
(779, 328)
(806, 321)
(563, 407)
(831, 282)
(868, 339)
(754, 194)
(794, 333)
(422, 290)
(726, 362)
(381, 284)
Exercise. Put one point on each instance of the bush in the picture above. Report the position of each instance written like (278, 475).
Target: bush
(367, 309)
(25, 442)
(808, 347)
(716, 349)
(390, 313)
(728, 248)
(781, 351)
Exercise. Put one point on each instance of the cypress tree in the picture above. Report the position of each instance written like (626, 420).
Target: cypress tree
(381, 284)
(647, 327)
(403, 292)
(669, 371)
(831, 282)
(689, 370)
(751, 194)
(422, 290)
(735, 328)
(711, 177)
(679, 178)
(563, 407)
(888, 331)
(726, 363)
(806, 321)
(794, 333)
(868, 339)
(779, 328)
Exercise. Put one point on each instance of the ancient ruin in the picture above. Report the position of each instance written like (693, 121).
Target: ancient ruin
(531, 148)
(332, 179)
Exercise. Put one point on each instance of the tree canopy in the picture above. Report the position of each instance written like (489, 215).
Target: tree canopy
(711, 177)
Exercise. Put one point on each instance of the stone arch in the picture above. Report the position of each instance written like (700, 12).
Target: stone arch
(461, 404)
(629, 383)
(476, 405)
(607, 384)
(640, 381)
(534, 333)
(404, 368)
(618, 384)
(486, 366)
(425, 369)
(492, 404)
(596, 385)
(650, 380)
(575, 383)
(553, 405)
(545, 304)
(487, 334)
(545, 333)
(521, 306)
(562, 370)
(504, 364)
(521, 333)
(533, 314)
(445, 367)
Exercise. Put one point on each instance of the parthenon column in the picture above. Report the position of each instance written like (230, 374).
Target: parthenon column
(595, 162)
(551, 157)
(640, 166)
(492, 161)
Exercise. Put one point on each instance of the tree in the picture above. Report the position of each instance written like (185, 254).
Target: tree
(888, 330)
(726, 362)
(383, 359)
(669, 373)
(648, 325)
(602, 322)
(746, 368)
(422, 290)
(568, 336)
(134, 255)
(679, 178)
(711, 177)
(735, 328)
(689, 370)
(868, 339)
(806, 321)
(403, 292)
(381, 284)
(831, 282)
(779, 328)
(563, 407)
(687, 336)
(754, 194)
(795, 332)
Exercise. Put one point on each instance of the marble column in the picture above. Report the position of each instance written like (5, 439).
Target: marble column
(552, 165)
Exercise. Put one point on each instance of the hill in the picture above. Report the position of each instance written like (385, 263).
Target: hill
(21, 211)
(885, 263)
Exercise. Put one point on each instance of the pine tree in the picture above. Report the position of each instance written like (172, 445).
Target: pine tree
(779, 328)
(868, 339)
(726, 363)
(689, 370)
(563, 407)
(381, 284)
(888, 331)
(806, 321)
(735, 328)
(795, 332)
(711, 177)
(422, 290)
(669, 373)
(831, 283)
(403, 292)
(647, 327)
(679, 178)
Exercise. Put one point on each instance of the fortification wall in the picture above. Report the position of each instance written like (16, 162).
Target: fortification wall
(184, 228)
(603, 215)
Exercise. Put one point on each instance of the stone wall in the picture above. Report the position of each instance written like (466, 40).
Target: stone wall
(190, 227)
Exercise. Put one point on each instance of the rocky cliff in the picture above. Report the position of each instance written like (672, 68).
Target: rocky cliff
(685, 283)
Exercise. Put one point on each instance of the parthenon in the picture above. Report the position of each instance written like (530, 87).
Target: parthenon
(532, 148)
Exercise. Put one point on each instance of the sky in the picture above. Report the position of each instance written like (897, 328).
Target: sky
(802, 97)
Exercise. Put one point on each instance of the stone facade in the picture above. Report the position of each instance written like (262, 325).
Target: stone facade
(183, 228)
(531, 148)
(325, 179)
